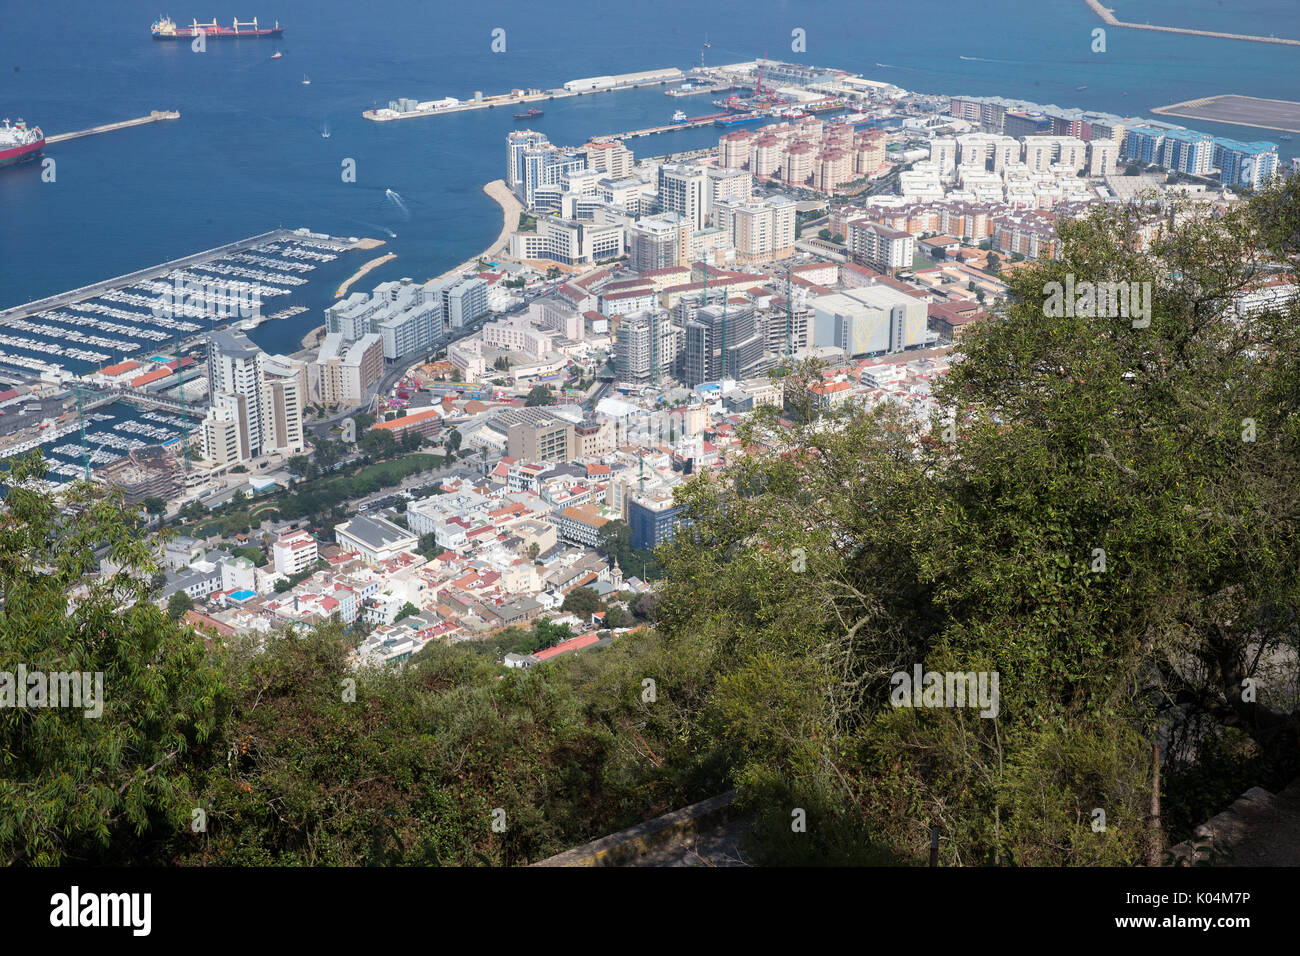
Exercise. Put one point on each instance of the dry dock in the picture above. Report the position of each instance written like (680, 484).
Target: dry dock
(154, 117)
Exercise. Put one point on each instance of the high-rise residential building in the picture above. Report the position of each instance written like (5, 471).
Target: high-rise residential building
(1187, 151)
(943, 153)
(760, 229)
(544, 165)
(464, 301)
(723, 341)
(1102, 155)
(798, 165)
(655, 242)
(517, 143)
(728, 184)
(880, 247)
(683, 189)
(262, 395)
(1143, 144)
(611, 159)
(1245, 164)
(766, 155)
(832, 167)
(235, 369)
(643, 349)
(869, 149)
(344, 371)
(221, 439)
(733, 148)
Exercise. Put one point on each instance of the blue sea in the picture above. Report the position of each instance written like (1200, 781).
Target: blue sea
(247, 154)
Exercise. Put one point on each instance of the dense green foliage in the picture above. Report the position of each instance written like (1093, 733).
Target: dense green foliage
(845, 548)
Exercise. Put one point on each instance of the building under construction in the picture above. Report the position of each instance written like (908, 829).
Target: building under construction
(149, 472)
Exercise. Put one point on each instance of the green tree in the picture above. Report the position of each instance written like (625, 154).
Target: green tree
(178, 604)
(1109, 525)
(581, 601)
(546, 633)
(406, 611)
(539, 395)
(155, 506)
(94, 790)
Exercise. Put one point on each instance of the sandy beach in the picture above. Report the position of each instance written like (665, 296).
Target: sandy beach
(510, 209)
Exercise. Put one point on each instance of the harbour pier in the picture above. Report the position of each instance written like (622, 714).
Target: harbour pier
(154, 117)
(142, 275)
(626, 81)
(1108, 17)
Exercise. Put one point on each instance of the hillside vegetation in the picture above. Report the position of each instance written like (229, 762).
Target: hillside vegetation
(1106, 517)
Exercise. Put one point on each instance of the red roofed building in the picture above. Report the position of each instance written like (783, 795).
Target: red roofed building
(117, 374)
(566, 647)
(427, 423)
(150, 377)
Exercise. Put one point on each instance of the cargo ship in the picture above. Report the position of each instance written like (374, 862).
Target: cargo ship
(19, 144)
(164, 28)
(736, 119)
(531, 114)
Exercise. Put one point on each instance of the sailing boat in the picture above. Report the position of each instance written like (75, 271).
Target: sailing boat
(276, 55)
(305, 81)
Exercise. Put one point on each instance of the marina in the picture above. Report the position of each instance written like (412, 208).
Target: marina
(164, 308)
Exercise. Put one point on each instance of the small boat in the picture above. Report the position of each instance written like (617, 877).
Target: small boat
(276, 55)
(531, 114)
(305, 81)
(1079, 88)
(1285, 138)
(679, 116)
(325, 133)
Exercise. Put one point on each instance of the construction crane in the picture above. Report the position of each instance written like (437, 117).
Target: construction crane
(789, 315)
(758, 83)
(81, 417)
(185, 435)
(726, 297)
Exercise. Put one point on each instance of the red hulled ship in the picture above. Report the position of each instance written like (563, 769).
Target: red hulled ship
(19, 143)
(164, 28)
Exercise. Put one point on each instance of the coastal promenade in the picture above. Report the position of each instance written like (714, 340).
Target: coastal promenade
(1108, 17)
